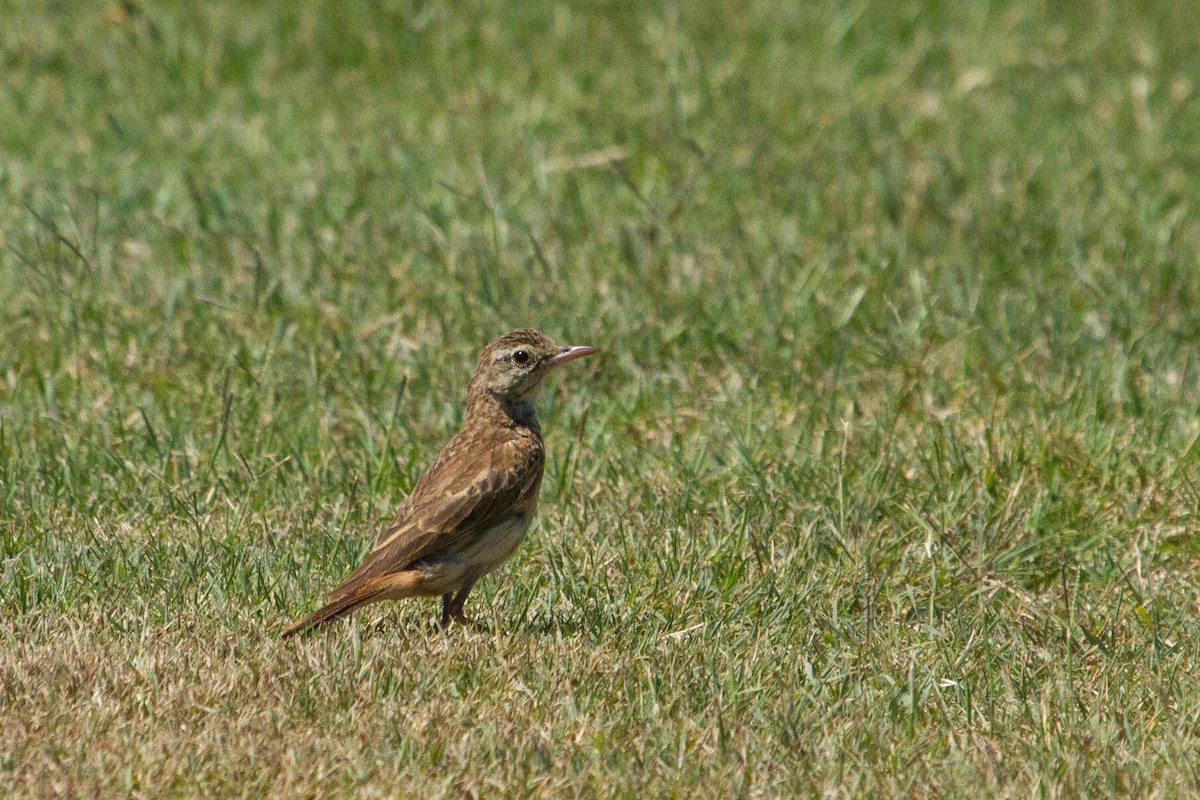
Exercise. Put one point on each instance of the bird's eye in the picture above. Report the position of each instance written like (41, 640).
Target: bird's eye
(520, 356)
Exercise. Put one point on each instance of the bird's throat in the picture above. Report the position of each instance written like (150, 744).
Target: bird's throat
(494, 408)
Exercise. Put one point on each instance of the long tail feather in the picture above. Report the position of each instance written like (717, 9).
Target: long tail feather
(385, 587)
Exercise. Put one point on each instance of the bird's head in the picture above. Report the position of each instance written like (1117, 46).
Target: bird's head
(513, 365)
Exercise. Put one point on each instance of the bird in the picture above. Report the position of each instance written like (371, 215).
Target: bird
(471, 508)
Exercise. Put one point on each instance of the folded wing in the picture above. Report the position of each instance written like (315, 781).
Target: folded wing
(454, 501)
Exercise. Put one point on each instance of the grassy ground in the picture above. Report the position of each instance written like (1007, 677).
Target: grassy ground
(885, 486)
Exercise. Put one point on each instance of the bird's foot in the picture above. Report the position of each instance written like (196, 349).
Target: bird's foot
(461, 619)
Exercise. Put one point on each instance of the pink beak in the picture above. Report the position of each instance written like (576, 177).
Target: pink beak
(570, 353)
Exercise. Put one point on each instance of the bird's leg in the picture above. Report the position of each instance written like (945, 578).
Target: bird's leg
(455, 608)
(447, 602)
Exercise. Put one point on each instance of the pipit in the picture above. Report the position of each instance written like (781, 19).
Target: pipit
(470, 510)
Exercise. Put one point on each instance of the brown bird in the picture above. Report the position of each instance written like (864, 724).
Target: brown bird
(470, 509)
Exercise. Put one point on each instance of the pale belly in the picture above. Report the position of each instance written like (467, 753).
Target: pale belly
(474, 559)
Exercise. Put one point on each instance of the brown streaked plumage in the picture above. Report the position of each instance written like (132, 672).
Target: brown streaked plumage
(470, 509)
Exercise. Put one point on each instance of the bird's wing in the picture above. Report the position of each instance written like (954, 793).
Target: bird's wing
(473, 484)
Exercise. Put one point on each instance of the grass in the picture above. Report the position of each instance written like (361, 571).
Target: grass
(885, 486)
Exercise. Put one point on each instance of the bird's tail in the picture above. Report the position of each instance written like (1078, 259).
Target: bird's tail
(385, 587)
